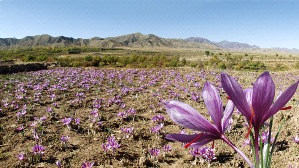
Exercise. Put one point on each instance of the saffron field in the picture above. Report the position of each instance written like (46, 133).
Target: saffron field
(79, 117)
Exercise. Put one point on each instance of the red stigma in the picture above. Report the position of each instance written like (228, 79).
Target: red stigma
(228, 98)
(286, 108)
(248, 129)
(250, 123)
(195, 139)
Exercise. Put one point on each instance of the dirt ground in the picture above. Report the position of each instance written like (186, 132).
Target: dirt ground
(76, 93)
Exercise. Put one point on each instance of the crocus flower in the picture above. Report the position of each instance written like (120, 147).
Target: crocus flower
(21, 128)
(188, 117)
(77, 121)
(208, 153)
(38, 149)
(21, 156)
(66, 121)
(154, 152)
(256, 104)
(58, 163)
(167, 148)
(296, 139)
(195, 152)
(64, 139)
(87, 164)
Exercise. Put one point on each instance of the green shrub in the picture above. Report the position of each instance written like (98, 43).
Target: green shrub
(88, 58)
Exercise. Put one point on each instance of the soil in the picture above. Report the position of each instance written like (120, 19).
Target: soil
(76, 92)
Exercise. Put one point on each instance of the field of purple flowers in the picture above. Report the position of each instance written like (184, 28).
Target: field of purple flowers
(84, 117)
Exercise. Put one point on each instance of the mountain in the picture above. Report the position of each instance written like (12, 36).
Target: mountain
(135, 40)
(199, 40)
(235, 45)
(287, 50)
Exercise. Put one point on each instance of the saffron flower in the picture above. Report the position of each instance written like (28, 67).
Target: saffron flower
(87, 164)
(154, 152)
(256, 104)
(188, 117)
(66, 121)
(21, 156)
(64, 139)
(38, 149)
(167, 148)
(58, 163)
(296, 139)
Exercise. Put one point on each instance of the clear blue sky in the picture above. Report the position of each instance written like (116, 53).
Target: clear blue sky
(266, 23)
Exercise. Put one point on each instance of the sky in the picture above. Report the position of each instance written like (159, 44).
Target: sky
(266, 23)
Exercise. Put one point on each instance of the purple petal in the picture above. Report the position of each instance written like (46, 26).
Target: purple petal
(227, 115)
(213, 104)
(281, 101)
(236, 94)
(262, 96)
(204, 138)
(248, 94)
(188, 117)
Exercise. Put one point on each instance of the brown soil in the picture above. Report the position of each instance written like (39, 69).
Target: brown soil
(85, 142)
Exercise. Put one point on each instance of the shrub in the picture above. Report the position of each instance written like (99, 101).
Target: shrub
(88, 58)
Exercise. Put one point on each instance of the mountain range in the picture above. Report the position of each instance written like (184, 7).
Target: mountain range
(137, 40)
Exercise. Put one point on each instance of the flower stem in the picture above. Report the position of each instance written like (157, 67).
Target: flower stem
(237, 150)
(256, 146)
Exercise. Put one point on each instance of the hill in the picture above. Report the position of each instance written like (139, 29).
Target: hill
(136, 40)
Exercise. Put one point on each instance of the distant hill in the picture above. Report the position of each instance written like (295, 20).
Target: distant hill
(235, 45)
(135, 40)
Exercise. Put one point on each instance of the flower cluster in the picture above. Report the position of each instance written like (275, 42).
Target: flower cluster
(127, 131)
(110, 145)
(158, 118)
(206, 153)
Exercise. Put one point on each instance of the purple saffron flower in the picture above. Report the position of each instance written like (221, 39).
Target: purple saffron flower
(296, 139)
(87, 164)
(49, 109)
(157, 128)
(246, 142)
(256, 104)
(154, 152)
(195, 152)
(77, 121)
(167, 148)
(208, 153)
(58, 163)
(64, 139)
(127, 131)
(111, 144)
(158, 118)
(188, 117)
(21, 128)
(21, 156)
(66, 121)
(43, 118)
(35, 135)
(38, 149)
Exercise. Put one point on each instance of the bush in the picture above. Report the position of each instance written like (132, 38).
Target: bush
(88, 58)
(74, 51)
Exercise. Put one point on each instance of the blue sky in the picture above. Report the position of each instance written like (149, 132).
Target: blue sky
(266, 23)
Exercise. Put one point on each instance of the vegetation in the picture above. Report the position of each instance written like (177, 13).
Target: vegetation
(101, 57)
